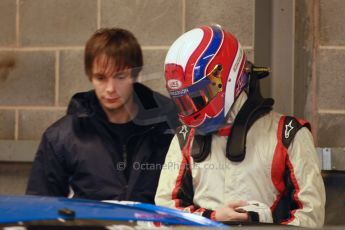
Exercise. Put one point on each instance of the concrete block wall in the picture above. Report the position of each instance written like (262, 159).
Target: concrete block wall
(330, 73)
(41, 54)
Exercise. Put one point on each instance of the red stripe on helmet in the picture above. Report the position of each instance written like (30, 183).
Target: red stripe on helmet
(205, 42)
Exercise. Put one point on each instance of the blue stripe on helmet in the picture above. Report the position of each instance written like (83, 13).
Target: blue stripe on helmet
(199, 69)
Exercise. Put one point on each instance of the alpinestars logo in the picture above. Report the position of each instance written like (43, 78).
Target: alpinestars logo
(184, 131)
(288, 129)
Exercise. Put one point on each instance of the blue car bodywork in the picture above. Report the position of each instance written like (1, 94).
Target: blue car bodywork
(26, 209)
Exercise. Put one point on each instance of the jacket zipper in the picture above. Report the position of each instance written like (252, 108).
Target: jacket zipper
(124, 155)
(124, 146)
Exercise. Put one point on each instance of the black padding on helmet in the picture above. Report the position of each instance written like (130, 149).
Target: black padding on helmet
(201, 147)
(255, 107)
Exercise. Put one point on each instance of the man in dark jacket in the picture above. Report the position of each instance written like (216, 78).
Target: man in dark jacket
(112, 142)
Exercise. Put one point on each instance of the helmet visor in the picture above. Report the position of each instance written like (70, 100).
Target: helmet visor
(197, 96)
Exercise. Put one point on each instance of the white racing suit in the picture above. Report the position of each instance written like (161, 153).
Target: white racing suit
(280, 172)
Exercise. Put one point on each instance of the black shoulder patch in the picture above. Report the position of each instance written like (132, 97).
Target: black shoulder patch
(201, 146)
(182, 133)
(290, 128)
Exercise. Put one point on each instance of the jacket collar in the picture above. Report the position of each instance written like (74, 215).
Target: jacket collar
(153, 107)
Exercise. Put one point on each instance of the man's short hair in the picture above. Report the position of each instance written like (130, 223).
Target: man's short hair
(117, 44)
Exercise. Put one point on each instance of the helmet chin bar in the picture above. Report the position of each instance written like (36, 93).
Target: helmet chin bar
(255, 107)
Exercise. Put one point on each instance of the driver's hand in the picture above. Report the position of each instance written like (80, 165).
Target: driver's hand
(229, 213)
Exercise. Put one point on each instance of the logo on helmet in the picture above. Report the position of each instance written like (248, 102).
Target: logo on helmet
(174, 84)
(239, 59)
(178, 93)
